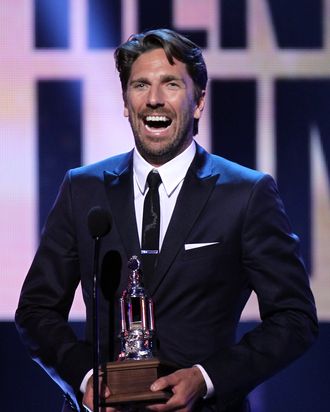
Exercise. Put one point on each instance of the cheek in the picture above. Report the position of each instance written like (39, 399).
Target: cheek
(137, 106)
(187, 110)
(187, 105)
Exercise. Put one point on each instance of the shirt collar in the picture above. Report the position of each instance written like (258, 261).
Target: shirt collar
(171, 173)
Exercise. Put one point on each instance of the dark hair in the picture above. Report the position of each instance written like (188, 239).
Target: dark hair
(174, 45)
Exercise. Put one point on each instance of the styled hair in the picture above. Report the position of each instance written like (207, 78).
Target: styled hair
(174, 45)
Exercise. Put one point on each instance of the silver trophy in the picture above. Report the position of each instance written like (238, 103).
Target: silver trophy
(137, 317)
(130, 377)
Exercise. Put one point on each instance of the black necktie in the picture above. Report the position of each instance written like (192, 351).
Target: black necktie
(150, 226)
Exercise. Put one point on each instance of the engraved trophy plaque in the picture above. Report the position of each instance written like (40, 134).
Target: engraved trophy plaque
(130, 377)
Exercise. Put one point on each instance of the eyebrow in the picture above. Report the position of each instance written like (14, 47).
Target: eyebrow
(139, 80)
(169, 77)
(164, 79)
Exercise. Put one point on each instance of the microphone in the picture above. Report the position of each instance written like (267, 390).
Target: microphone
(99, 224)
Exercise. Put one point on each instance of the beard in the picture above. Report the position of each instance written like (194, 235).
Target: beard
(168, 150)
(164, 154)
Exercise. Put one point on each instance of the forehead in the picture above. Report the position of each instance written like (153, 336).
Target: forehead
(154, 63)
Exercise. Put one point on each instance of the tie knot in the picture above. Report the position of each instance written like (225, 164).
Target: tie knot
(153, 180)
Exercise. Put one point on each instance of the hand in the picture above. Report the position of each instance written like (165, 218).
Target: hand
(187, 385)
(104, 392)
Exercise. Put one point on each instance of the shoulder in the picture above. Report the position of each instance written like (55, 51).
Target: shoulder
(114, 164)
(228, 171)
(232, 171)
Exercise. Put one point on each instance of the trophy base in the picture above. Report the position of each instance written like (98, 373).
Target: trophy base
(129, 381)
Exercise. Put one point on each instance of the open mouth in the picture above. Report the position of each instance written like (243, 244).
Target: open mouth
(157, 121)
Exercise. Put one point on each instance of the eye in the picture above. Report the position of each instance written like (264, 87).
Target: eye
(139, 85)
(173, 85)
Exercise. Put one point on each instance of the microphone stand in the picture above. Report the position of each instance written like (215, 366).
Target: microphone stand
(99, 224)
(96, 337)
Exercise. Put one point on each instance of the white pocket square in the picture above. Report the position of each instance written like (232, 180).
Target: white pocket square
(189, 246)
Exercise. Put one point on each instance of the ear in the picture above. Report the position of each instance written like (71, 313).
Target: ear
(125, 105)
(200, 106)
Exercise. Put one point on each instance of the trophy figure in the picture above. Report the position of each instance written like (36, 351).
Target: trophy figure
(137, 317)
(130, 377)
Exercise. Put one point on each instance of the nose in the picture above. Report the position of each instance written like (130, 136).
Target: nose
(155, 97)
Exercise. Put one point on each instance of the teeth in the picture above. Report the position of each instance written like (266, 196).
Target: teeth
(157, 119)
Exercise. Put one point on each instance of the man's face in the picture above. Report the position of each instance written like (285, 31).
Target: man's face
(161, 107)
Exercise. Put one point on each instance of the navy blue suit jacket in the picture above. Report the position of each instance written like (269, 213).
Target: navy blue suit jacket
(199, 294)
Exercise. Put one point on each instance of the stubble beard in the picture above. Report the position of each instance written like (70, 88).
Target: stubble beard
(163, 154)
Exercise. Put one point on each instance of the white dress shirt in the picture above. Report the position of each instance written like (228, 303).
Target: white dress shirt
(172, 174)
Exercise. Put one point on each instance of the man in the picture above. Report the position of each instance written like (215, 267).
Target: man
(223, 233)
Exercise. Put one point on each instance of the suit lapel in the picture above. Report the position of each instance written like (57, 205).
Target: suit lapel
(120, 192)
(196, 189)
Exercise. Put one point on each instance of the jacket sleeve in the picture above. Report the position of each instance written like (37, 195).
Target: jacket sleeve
(274, 268)
(46, 298)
